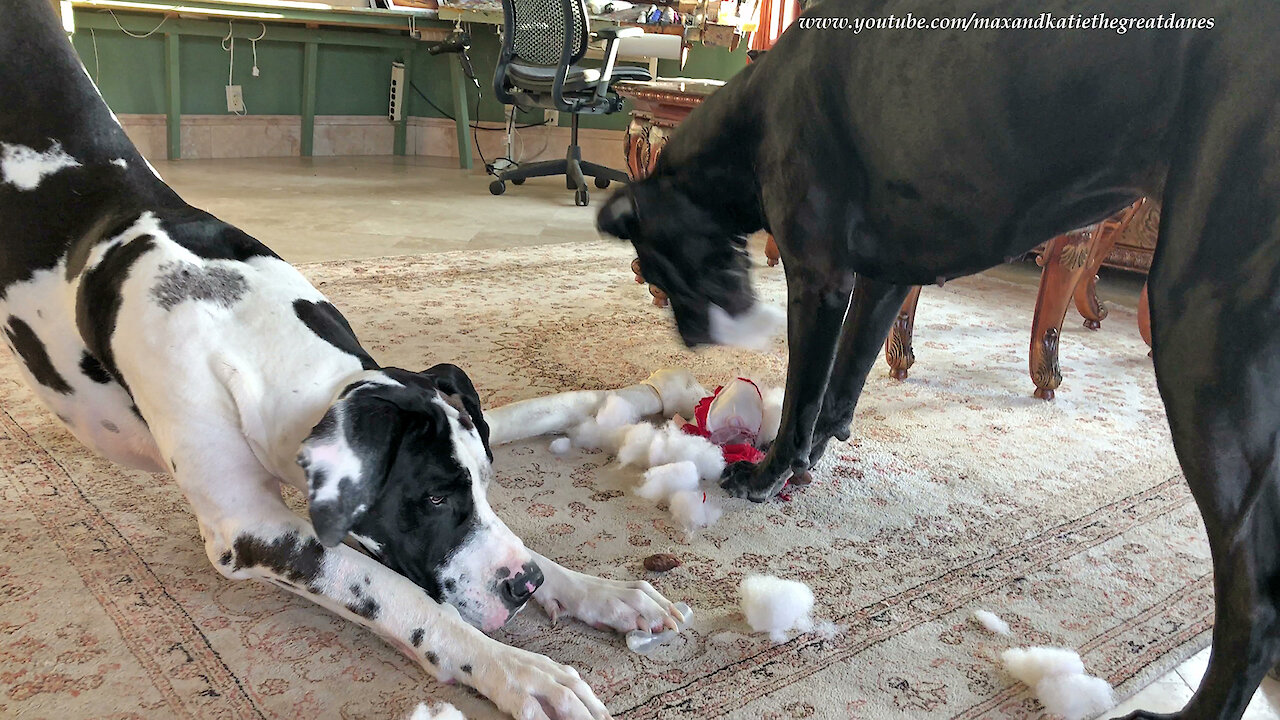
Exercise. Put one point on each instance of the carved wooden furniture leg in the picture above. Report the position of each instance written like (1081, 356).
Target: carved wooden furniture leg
(1086, 293)
(1144, 318)
(771, 251)
(1064, 262)
(897, 347)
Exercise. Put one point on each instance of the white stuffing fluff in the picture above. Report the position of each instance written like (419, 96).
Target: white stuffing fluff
(772, 415)
(671, 444)
(1031, 664)
(662, 481)
(635, 445)
(589, 435)
(991, 621)
(776, 606)
(1075, 697)
(442, 711)
(692, 509)
(616, 412)
(751, 329)
(1061, 685)
(560, 446)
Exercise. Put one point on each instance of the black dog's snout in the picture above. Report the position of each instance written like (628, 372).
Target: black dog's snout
(516, 591)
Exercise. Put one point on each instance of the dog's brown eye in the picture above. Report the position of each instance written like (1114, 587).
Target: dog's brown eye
(436, 499)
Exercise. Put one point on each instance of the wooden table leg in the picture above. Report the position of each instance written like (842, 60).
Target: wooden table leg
(1144, 317)
(1064, 262)
(897, 347)
(771, 251)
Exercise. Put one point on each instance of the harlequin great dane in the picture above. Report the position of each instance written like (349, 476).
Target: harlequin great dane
(889, 158)
(170, 341)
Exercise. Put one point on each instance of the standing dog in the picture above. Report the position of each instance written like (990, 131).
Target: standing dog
(170, 341)
(890, 158)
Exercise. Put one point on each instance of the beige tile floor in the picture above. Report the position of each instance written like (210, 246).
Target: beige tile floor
(341, 208)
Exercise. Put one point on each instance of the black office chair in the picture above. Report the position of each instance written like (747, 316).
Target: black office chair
(542, 42)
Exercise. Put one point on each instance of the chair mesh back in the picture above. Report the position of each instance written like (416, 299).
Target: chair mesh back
(539, 30)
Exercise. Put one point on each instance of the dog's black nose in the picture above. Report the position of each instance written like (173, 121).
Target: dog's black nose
(516, 591)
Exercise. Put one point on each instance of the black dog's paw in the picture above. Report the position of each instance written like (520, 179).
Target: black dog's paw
(747, 480)
(1146, 715)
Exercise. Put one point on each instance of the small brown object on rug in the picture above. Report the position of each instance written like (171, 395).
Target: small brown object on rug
(662, 562)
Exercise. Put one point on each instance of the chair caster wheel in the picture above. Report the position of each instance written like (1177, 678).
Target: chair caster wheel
(497, 187)
(517, 181)
(602, 182)
(581, 198)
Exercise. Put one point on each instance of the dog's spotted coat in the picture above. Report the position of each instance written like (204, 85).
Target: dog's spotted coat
(169, 341)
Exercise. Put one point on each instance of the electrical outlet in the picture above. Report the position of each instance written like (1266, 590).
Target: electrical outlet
(235, 99)
(552, 117)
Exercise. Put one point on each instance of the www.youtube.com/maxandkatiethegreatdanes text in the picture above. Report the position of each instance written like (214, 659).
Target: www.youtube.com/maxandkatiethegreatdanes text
(974, 21)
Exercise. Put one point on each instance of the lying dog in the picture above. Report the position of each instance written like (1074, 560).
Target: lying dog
(170, 341)
(890, 158)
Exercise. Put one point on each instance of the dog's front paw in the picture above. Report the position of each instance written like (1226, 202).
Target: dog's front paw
(751, 481)
(529, 686)
(622, 606)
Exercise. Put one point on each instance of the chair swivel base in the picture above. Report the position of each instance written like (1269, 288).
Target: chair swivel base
(574, 169)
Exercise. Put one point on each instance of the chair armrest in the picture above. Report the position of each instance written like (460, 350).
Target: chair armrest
(614, 32)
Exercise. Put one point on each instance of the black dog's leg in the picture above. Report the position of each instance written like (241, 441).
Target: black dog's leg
(1214, 290)
(875, 304)
(816, 306)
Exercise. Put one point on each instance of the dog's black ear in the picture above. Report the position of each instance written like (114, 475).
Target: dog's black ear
(349, 453)
(461, 393)
(620, 217)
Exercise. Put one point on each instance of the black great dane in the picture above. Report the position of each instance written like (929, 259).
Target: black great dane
(889, 158)
(170, 341)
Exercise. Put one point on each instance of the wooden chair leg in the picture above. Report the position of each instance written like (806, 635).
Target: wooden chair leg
(1086, 293)
(771, 251)
(1064, 262)
(897, 347)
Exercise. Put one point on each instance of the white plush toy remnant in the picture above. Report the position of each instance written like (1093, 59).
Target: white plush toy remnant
(692, 509)
(991, 621)
(751, 329)
(560, 445)
(776, 606)
(590, 435)
(442, 711)
(772, 415)
(662, 481)
(616, 412)
(1061, 685)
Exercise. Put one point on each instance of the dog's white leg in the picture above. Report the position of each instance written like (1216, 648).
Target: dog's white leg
(250, 533)
(617, 604)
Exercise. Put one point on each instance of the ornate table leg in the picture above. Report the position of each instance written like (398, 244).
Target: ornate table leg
(897, 347)
(1064, 262)
(1144, 317)
(771, 251)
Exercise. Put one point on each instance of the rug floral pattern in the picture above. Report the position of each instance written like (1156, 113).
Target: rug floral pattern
(958, 491)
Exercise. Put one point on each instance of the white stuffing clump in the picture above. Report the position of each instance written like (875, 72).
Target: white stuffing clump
(1061, 685)
(560, 445)
(992, 622)
(751, 329)
(615, 412)
(590, 435)
(442, 711)
(671, 444)
(662, 481)
(776, 606)
(692, 509)
(634, 449)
